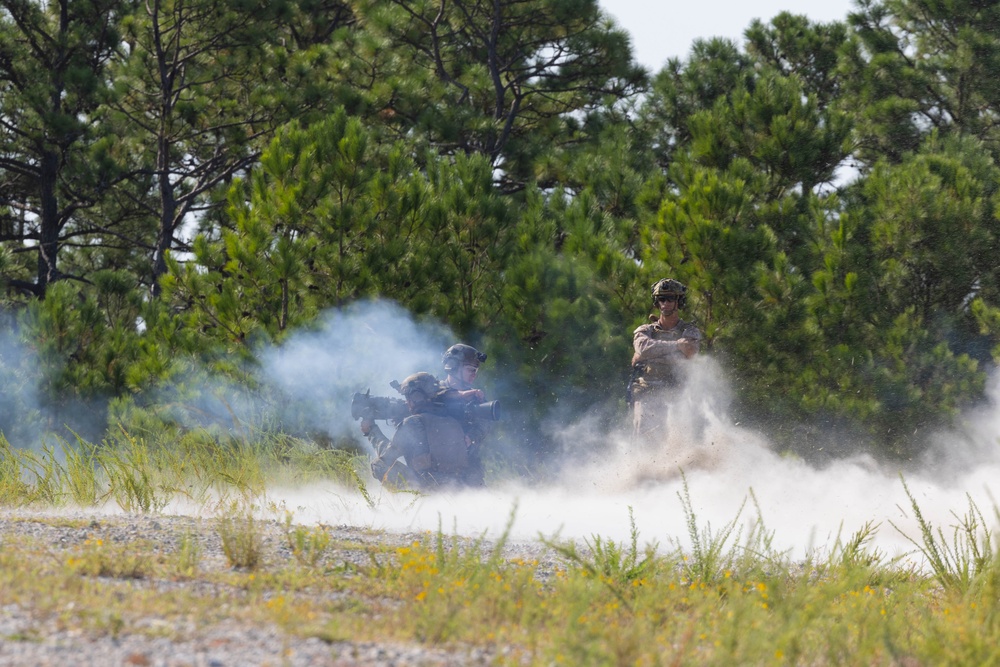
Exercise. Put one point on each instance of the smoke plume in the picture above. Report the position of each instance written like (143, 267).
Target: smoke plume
(729, 472)
(605, 476)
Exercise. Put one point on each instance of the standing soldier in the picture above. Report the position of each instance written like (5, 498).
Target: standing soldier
(660, 347)
(434, 445)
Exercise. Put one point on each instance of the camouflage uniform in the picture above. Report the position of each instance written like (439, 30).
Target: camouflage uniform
(433, 444)
(455, 395)
(655, 370)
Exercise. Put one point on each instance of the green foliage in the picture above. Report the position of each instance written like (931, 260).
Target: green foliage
(915, 65)
(988, 318)
(330, 217)
(194, 114)
(51, 476)
(53, 163)
(714, 70)
(102, 557)
(610, 602)
(933, 228)
(14, 490)
(241, 539)
(188, 556)
(84, 485)
(617, 565)
(464, 598)
(185, 183)
(308, 545)
(809, 52)
(134, 476)
(442, 571)
(512, 80)
(561, 298)
(848, 307)
(965, 560)
(717, 554)
(853, 553)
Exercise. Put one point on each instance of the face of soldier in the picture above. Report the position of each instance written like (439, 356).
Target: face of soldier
(468, 373)
(667, 303)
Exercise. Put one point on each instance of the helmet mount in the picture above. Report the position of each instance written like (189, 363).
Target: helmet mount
(460, 355)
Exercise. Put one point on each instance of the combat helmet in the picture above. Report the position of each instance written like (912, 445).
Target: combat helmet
(670, 286)
(459, 355)
(423, 383)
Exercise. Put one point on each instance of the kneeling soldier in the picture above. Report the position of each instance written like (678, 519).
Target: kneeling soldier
(433, 444)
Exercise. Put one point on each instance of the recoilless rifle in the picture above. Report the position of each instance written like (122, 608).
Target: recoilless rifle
(366, 406)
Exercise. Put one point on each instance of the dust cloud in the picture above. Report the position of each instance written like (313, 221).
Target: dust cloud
(606, 476)
(731, 474)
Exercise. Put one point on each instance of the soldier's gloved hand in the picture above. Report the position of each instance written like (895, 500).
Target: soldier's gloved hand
(366, 425)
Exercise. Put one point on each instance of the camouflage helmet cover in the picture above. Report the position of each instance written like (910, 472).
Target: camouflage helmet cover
(425, 383)
(459, 355)
(670, 286)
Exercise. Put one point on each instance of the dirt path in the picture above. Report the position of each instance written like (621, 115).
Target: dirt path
(48, 627)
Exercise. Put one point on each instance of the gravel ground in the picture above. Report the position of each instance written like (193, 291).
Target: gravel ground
(30, 638)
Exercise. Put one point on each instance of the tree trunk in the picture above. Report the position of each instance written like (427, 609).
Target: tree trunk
(48, 242)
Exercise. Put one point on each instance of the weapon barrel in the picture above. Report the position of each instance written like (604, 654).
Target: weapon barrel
(489, 411)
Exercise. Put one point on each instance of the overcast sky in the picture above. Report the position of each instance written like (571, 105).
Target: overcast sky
(663, 29)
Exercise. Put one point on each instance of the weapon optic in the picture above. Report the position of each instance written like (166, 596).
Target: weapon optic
(366, 406)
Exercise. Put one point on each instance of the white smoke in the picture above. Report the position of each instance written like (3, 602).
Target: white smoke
(26, 420)
(18, 399)
(360, 348)
(807, 509)
(606, 475)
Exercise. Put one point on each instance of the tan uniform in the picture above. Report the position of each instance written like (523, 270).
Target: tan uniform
(656, 372)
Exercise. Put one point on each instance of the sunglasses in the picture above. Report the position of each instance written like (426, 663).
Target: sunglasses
(668, 298)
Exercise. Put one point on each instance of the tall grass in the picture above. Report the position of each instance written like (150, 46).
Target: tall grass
(737, 546)
(611, 603)
(14, 490)
(617, 565)
(143, 474)
(83, 484)
(133, 474)
(960, 560)
(241, 538)
(47, 475)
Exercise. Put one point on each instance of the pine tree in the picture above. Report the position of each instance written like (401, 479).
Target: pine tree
(192, 108)
(507, 80)
(921, 65)
(53, 60)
